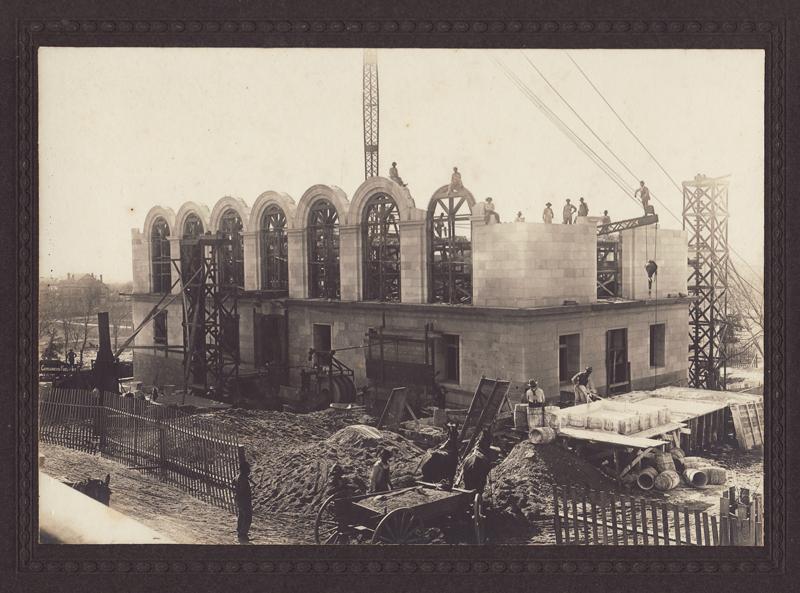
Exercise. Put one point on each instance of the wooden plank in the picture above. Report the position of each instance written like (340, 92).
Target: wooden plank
(654, 513)
(637, 459)
(665, 524)
(677, 520)
(603, 514)
(613, 502)
(623, 515)
(724, 512)
(643, 509)
(566, 515)
(593, 500)
(610, 438)
(634, 522)
(573, 498)
(585, 516)
(758, 519)
(556, 515)
(687, 526)
(714, 530)
(698, 533)
(706, 530)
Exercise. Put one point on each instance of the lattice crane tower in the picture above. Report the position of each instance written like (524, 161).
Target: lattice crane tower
(705, 218)
(370, 98)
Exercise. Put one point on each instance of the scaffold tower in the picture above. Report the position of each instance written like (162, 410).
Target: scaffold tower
(705, 218)
(370, 105)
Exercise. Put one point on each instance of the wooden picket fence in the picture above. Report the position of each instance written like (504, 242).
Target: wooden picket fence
(741, 518)
(178, 448)
(583, 516)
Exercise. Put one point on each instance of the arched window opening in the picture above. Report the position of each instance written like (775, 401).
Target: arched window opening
(323, 251)
(381, 249)
(191, 254)
(274, 250)
(450, 255)
(192, 227)
(232, 254)
(160, 256)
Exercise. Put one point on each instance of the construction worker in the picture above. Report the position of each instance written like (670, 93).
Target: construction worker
(243, 495)
(71, 358)
(488, 211)
(651, 268)
(395, 176)
(380, 479)
(534, 395)
(567, 212)
(441, 226)
(584, 387)
(455, 182)
(519, 217)
(547, 214)
(645, 195)
(605, 219)
(583, 208)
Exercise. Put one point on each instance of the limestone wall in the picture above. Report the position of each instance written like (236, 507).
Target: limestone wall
(668, 248)
(533, 264)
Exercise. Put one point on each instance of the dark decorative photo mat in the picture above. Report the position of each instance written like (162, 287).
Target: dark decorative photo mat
(29, 565)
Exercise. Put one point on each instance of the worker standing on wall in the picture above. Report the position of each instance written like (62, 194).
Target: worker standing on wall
(567, 212)
(547, 215)
(645, 196)
(583, 385)
(583, 208)
(605, 219)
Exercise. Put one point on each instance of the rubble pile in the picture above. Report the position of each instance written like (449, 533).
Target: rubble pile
(296, 481)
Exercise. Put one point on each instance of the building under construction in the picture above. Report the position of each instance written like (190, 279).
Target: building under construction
(387, 293)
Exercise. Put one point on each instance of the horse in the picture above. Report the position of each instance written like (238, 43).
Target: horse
(441, 464)
(478, 463)
(97, 489)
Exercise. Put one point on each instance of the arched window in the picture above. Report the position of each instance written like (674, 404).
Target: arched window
(381, 249)
(274, 250)
(232, 268)
(160, 256)
(450, 250)
(323, 251)
(192, 226)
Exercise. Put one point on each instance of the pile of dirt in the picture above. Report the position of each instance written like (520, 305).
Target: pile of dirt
(523, 482)
(297, 481)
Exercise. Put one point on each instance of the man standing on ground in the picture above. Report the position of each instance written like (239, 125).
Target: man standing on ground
(243, 496)
(547, 215)
(583, 208)
(584, 387)
(568, 211)
(71, 358)
(645, 195)
(380, 480)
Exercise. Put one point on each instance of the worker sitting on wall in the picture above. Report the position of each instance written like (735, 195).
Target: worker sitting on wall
(395, 176)
(380, 479)
(583, 385)
(488, 211)
(455, 182)
(519, 217)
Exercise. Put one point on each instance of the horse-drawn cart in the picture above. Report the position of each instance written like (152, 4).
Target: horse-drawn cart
(397, 516)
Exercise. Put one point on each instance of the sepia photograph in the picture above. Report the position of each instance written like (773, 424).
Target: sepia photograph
(358, 296)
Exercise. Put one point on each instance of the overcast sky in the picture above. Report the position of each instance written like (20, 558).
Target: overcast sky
(123, 129)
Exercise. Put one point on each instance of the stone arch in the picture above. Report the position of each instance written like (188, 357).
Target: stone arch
(444, 192)
(449, 245)
(188, 208)
(328, 192)
(401, 196)
(154, 214)
(222, 206)
(282, 200)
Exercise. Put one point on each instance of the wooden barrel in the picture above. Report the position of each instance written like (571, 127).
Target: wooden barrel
(716, 475)
(646, 478)
(696, 478)
(541, 435)
(666, 480)
(664, 462)
(521, 416)
(677, 454)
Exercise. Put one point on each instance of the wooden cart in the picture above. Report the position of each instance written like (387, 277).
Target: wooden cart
(397, 516)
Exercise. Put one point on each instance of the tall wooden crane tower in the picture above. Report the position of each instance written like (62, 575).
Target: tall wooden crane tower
(370, 104)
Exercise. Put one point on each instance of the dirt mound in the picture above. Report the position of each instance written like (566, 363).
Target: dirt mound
(297, 481)
(523, 482)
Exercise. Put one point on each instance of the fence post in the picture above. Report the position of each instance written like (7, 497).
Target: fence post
(100, 427)
(556, 515)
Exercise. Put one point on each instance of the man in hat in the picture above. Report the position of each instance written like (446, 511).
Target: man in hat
(395, 176)
(243, 495)
(605, 219)
(583, 208)
(547, 215)
(488, 211)
(380, 479)
(534, 395)
(567, 212)
(584, 386)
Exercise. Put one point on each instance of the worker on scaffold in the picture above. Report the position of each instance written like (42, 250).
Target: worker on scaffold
(645, 196)
(583, 385)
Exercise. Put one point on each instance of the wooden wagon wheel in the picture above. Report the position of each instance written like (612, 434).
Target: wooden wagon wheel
(400, 526)
(327, 528)
(479, 519)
